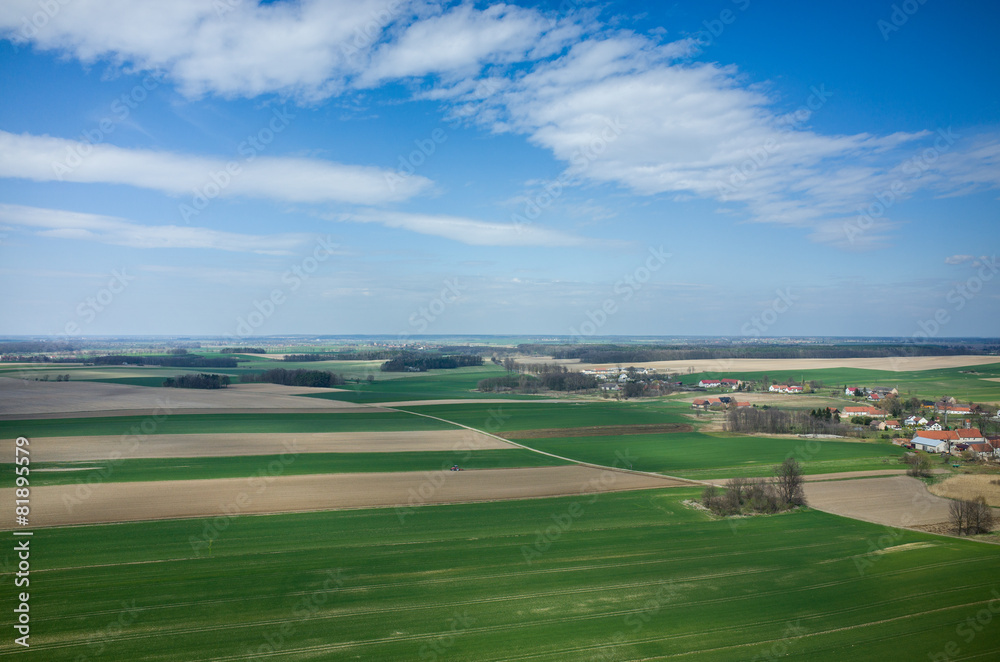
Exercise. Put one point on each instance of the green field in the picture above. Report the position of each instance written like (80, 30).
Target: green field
(213, 423)
(695, 455)
(632, 576)
(969, 383)
(430, 385)
(191, 468)
(499, 417)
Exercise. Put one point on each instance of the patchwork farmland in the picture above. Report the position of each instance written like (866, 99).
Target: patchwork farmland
(566, 533)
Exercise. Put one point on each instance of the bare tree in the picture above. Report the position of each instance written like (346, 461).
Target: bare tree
(971, 517)
(788, 482)
(920, 465)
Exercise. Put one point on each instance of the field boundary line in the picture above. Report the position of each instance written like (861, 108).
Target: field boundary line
(558, 457)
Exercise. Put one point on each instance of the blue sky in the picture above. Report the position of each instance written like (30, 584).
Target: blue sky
(732, 168)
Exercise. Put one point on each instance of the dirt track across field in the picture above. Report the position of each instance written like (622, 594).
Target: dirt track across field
(26, 399)
(895, 364)
(599, 431)
(126, 502)
(897, 501)
(94, 449)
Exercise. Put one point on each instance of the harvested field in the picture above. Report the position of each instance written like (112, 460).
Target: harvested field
(599, 431)
(970, 486)
(896, 501)
(24, 399)
(126, 502)
(95, 449)
(895, 364)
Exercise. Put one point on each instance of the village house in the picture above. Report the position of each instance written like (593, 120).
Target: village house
(709, 383)
(915, 420)
(890, 425)
(939, 441)
(865, 411)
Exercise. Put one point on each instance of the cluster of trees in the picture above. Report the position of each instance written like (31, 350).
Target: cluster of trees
(198, 381)
(970, 517)
(300, 377)
(178, 361)
(59, 378)
(825, 414)
(783, 491)
(243, 350)
(414, 361)
(36, 347)
(751, 420)
(918, 465)
(559, 379)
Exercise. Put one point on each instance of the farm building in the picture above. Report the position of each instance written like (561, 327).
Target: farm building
(873, 412)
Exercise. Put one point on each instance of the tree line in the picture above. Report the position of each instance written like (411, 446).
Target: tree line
(182, 361)
(414, 361)
(299, 377)
(751, 420)
(206, 381)
(243, 350)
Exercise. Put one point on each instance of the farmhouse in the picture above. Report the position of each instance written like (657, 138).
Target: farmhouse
(742, 404)
(915, 420)
(890, 425)
(970, 435)
(934, 442)
(873, 412)
(710, 383)
(794, 389)
(731, 383)
(778, 388)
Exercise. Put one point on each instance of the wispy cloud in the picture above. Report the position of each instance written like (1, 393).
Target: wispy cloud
(468, 231)
(61, 224)
(44, 158)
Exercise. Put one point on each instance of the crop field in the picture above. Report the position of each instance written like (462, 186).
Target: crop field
(430, 385)
(974, 383)
(219, 423)
(701, 456)
(497, 418)
(191, 468)
(624, 576)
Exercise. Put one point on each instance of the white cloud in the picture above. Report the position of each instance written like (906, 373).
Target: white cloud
(456, 41)
(44, 158)
(61, 224)
(468, 231)
(226, 47)
(625, 110)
